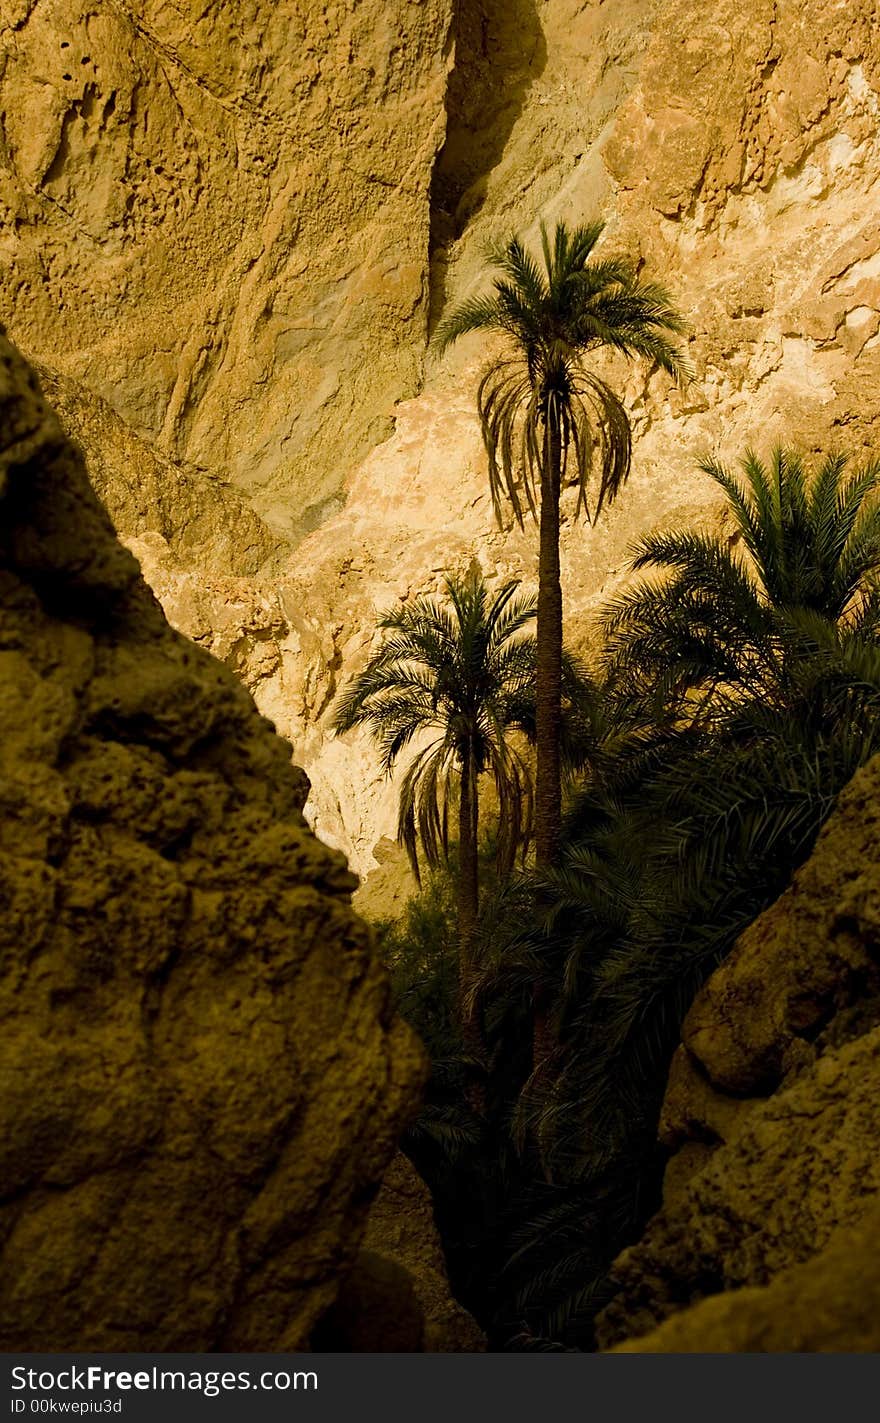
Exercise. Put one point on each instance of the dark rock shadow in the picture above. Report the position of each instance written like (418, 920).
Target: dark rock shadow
(499, 52)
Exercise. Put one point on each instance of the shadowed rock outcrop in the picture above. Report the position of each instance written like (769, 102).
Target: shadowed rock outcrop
(401, 1228)
(772, 1197)
(830, 1304)
(201, 1079)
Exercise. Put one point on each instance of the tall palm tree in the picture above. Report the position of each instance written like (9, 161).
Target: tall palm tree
(544, 414)
(719, 620)
(454, 675)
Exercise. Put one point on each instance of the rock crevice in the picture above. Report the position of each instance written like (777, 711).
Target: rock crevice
(499, 51)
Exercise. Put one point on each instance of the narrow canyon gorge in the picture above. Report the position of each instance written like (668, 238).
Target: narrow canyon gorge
(228, 233)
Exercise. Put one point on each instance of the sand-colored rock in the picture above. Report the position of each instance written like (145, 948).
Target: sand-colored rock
(202, 1077)
(397, 1298)
(204, 522)
(811, 955)
(401, 1228)
(830, 1305)
(800, 1166)
(217, 218)
(772, 1114)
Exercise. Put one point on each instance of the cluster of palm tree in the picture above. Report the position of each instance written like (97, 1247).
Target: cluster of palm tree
(545, 418)
(737, 690)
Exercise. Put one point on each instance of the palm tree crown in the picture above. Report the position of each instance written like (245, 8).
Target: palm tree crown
(554, 315)
(455, 672)
(814, 539)
(812, 546)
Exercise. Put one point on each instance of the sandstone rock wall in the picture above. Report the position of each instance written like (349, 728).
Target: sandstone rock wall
(201, 523)
(216, 218)
(201, 1079)
(767, 1236)
(245, 277)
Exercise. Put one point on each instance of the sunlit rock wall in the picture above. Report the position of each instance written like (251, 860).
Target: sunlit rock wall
(733, 152)
(217, 219)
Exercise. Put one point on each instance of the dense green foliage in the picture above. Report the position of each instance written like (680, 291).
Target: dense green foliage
(722, 612)
(738, 691)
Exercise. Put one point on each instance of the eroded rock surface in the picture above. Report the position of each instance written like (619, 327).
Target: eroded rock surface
(772, 1113)
(401, 1228)
(201, 523)
(201, 1079)
(829, 1304)
(217, 219)
(397, 1297)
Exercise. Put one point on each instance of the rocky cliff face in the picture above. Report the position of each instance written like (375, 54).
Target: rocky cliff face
(235, 226)
(201, 1079)
(217, 219)
(767, 1236)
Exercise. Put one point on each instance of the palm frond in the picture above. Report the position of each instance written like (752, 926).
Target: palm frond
(553, 319)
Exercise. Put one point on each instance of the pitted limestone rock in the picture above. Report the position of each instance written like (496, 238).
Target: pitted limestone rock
(202, 1078)
(772, 1116)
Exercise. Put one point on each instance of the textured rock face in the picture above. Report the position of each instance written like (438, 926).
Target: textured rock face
(199, 522)
(202, 1080)
(830, 1304)
(772, 1110)
(401, 1228)
(397, 1297)
(217, 219)
(805, 961)
(225, 265)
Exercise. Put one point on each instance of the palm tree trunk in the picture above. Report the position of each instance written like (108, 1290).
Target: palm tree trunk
(468, 909)
(548, 691)
(548, 695)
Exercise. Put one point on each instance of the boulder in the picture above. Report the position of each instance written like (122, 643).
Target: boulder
(202, 1076)
(401, 1229)
(830, 1304)
(397, 1298)
(772, 1193)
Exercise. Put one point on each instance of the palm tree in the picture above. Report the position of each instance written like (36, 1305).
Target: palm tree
(544, 413)
(667, 856)
(688, 827)
(453, 675)
(718, 620)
